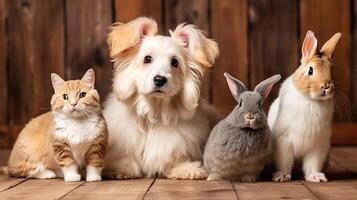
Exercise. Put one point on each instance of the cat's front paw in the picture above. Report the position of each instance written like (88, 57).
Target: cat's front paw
(93, 173)
(71, 177)
(93, 177)
(281, 177)
(316, 177)
(214, 177)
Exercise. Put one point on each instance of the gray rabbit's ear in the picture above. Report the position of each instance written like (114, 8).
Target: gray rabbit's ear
(265, 86)
(235, 86)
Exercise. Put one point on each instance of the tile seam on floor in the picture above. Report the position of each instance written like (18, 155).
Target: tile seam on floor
(78, 186)
(152, 183)
(12, 186)
(235, 191)
(308, 189)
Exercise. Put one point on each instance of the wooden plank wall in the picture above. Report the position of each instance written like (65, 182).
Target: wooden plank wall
(257, 39)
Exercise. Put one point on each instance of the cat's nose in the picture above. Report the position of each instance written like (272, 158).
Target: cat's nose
(249, 116)
(73, 104)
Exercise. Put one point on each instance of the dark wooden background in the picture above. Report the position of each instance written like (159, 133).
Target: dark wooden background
(257, 38)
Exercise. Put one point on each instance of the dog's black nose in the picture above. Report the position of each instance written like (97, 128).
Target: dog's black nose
(160, 80)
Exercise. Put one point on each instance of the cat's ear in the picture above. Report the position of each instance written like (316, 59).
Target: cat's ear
(57, 82)
(89, 78)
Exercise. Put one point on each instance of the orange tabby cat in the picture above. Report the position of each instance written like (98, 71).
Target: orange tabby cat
(62, 142)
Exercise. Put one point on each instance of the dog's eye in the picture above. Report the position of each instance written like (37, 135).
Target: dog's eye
(311, 71)
(147, 59)
(174, 62)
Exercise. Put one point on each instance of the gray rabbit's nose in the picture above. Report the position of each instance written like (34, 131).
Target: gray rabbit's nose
(249, 116)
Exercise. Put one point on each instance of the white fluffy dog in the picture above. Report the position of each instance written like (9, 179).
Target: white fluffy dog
(158, 125)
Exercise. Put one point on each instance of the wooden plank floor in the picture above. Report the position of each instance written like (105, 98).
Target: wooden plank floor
(342, 173)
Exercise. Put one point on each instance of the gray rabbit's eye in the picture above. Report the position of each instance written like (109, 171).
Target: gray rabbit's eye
(240, 103)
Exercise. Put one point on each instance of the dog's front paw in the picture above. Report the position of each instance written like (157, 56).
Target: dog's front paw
(126, 175)
(188, 171)
(316, 177)
(281, 177)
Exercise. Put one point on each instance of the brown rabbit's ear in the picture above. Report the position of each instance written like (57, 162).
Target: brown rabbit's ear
(329, 47)
(309, 46)
(201, 48)
(129, 35)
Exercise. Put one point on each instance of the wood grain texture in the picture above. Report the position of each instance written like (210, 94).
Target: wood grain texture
(344, 133)
(354, 58)
(3, 67)
(345, 157)
(272, 41)
(86, 47)
(191, 12)
(5, 137)
(346, 190)
(36, 46)
(342, 183)
(123, 189)
(40, 189)
(270, 190)
(128, 10)
(229, 28)
(7, 182)
(325, 18)
(183, 189)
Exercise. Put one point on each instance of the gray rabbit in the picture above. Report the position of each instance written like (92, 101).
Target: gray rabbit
(240, 145)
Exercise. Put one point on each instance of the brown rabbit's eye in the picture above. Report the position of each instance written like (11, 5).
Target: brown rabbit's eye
(147, 59)
(82, 94)
(65, 96)
(311, 71)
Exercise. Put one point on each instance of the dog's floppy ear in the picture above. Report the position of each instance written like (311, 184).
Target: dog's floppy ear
(129, 35)
(201, 48)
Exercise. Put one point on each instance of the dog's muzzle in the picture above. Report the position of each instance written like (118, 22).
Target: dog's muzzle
(160, 81)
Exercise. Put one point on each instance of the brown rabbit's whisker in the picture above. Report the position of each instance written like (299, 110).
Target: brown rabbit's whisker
(343, 106)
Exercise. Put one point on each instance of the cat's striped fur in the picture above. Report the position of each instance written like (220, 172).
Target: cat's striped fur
(66, 140)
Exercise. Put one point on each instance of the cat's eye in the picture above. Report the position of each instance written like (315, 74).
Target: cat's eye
(311, 71)
(240, 103)
(147, 59)
(82, 95)
(174, 62)
(65, 96)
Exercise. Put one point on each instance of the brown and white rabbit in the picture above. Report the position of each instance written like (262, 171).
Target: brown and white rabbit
(300, 118)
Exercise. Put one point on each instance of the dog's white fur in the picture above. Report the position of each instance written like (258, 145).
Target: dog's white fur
(157, 133)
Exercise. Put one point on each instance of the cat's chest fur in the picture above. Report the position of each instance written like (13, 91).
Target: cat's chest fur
(76, 131)
(79, 134)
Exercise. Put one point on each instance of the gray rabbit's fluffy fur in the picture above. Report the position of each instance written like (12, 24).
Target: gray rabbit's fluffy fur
(240, 145)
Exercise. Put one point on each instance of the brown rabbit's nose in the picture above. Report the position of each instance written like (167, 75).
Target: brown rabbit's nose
(249, 116)
(326, 85)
